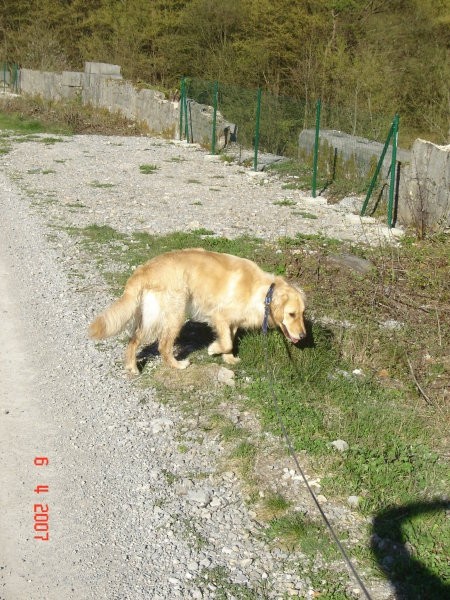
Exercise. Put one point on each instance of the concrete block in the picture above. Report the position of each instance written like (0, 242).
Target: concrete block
(72, 78)
(104, 69)
(424, 190)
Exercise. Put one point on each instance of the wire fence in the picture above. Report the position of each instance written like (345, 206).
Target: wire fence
(9, 77)
(329, 148)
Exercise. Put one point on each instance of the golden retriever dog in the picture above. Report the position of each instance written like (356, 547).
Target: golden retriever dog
(224, 291)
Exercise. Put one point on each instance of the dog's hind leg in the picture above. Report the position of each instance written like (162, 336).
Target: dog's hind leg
(169, 334)
(130, 353)
(134, 343)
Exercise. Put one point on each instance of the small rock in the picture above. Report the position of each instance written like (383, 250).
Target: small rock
(392, 325)
(226, 376)
(354, 501)
(200, 497)
(321, 499)
(361, 265)
(352, 203)
(340, 445)
(194, 225)
(246, 562)
(184, 486)
(158, 425)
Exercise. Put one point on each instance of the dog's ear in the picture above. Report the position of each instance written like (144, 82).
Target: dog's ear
(299, 290)
(278, 302)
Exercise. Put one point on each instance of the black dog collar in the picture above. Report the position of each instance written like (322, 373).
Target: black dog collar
(267, 303)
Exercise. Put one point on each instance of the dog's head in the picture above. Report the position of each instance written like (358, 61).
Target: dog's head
(288, 307)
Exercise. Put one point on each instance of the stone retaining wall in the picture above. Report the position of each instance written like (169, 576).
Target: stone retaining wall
(102, 85)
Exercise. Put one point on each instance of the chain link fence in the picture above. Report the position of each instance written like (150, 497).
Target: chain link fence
(9, 77)
(325, 148)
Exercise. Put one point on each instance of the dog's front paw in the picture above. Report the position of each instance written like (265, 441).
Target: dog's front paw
(230, 359)
(181, 364)
(214, 348)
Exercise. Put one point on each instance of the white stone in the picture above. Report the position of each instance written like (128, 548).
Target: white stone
(201, 497)
(158, 425)
(354, 501)
(340, 445)
(226, 376)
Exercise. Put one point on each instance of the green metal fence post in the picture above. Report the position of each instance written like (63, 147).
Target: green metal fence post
(215, 94)
(258, 115)
(181, 107)
(185, 110)
(395, 124)
(377, 170)
(316, 149)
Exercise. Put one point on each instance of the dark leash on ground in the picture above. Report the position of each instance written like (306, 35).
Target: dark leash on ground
(267, 303)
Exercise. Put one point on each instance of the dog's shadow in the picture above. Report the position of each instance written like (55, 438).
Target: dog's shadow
(193, 336)
(196, 336)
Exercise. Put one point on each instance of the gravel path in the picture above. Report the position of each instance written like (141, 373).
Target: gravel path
(119, 529)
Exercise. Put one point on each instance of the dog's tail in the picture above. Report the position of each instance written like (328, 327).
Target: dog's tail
(115, 318)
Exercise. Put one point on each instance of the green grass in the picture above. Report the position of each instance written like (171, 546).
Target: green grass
(243, 456)
(386, 464)
(275, 503)
(285, 202)
(296, 174)
(148, 169)
(226, 158)
(49, 141)
(328, 585)
(99, 185)
(171, 478)
(244, 450)
(28, 116)
(305, 215)
(22, 125)
(296, 531)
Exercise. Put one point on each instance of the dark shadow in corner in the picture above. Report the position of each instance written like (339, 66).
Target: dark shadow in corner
(411, 579)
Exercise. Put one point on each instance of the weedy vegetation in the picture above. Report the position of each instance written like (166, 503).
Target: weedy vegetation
(148, 169)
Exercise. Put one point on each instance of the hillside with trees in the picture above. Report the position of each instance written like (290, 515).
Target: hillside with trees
(384, 56)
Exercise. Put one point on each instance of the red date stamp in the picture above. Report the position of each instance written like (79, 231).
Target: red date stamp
(41, 511)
